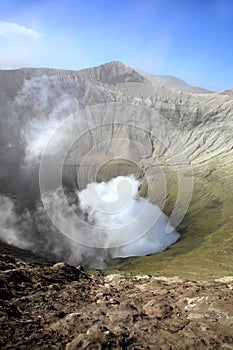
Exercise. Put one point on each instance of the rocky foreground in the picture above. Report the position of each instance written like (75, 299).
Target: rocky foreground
(46, 306)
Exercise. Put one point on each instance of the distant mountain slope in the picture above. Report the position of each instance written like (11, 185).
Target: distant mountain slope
(174, 83)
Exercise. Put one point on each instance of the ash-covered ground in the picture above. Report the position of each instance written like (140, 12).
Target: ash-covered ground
(47, 306)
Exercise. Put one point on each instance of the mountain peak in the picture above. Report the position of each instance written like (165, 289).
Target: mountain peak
(113, 72)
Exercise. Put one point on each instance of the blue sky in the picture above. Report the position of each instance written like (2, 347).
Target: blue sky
(192, 40)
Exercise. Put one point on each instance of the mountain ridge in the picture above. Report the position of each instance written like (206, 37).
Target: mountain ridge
(166, 81)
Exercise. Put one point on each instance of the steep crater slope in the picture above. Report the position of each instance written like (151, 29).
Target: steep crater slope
(182, 137)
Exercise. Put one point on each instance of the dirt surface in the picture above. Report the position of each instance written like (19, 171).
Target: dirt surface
(46, 306)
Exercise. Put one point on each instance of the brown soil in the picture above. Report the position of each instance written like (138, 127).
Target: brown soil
(46, 306)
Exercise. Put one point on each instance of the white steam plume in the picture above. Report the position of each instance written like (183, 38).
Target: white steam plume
(132, 225)
(14, 227)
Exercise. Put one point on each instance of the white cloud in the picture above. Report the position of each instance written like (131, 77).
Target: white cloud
(9, 28)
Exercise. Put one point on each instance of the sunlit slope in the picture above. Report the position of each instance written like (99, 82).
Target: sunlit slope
(205, 249)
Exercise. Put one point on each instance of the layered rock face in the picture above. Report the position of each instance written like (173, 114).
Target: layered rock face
(119, 122)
